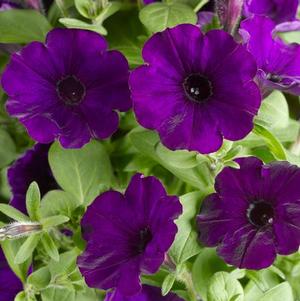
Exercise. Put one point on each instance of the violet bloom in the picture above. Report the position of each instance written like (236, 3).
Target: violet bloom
(195, 89)
(8, 5)
(278, 10)
(146, 2)
(148, 293)
(68, 88)
(254, 214)
(32, 166)
(128, 235)
(10, 284)
(278, 63)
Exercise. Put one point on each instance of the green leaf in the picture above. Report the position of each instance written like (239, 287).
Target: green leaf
(282, 291)
(57, 202)
(40, 278)
(33, 200)
(88, 295)
(22, 26)
(13, 213)
(223, 287)
(168, 284)
(81, 172)
(274, 111)
(58, 293)
(49, 246)
(53, 221)
(7, 153)
(272, 142)
(146, 141)
(110, 9)
(179, 158)
(127, 39)
(87, 8)
(21, 296)
(10, 249)
(74, 23)
(27, 248)
(66, 264)
(159, 16)
(205, 266)
(290, 37)
(186, 244)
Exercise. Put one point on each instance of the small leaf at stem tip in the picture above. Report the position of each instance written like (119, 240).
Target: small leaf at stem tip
(53, 221)
(13, 213)
(49, 246)
(168, 284)
(27, 248)
(33, 201)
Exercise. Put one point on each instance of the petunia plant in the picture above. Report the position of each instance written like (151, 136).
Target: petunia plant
(149, 150)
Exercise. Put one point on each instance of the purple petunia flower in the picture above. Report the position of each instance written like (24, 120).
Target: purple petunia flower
(10, 285)
(278, 63)
(68, 88)
(278, 10)
(32, 166)
(148, 293)
(195, 89)
(254, 214)
(7, 5)
(128, 235)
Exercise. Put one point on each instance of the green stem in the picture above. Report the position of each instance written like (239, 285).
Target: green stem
(200, 5)
(186, 278)
(61, 6)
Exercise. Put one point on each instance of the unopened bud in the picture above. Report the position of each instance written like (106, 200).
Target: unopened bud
(19, 229)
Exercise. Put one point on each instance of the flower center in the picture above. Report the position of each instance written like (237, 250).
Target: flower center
(70, 90)
(145, 236)
(274, 78)
(197, 87)
(260, 214)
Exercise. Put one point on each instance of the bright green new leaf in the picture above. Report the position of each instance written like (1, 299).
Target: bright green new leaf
(205, 266)
(50, 246)
(274, 111)
(158, 16)
(33, 201)
(53, 221)
(168, 284)
(27, 248)
(272, 142)
(74, 23)
(40, 278)
(58, 293)
(57, 202)
(13, 213)
(224, 287)
(282, 291)
(21, 296)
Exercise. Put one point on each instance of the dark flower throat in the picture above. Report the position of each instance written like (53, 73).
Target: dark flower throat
(145, 236)
(70, 90)
(197, 87)
(260, 214)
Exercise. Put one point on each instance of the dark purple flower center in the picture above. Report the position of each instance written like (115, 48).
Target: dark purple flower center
(260, 214)
(274, 78)
(145, 236)
(70, 90)
(197, 87)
